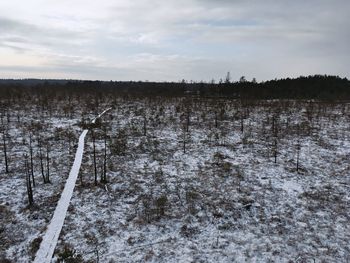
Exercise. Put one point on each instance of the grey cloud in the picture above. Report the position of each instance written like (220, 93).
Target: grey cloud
(194, 39)
(22, 36)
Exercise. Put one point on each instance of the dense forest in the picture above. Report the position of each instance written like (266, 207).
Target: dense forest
(318, 87)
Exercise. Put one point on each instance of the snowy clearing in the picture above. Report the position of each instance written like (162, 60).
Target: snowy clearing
(191, 181)
(48, 244)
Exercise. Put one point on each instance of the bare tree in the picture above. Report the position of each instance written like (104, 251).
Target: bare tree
(298, 156)
(185, 137)
(275, 129)
(48, 162)
(298, 148)
(275, 150)
(70, 137)
(31, 159)
(94, 154)
(28, 181)
(41, 157)
(144, 125)
(104, 170)
(187, 119)
(4, 135)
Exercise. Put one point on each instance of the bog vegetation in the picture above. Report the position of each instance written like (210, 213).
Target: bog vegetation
(178, 171)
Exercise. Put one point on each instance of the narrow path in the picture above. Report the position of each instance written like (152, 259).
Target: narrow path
(48, 244)
(100, 115)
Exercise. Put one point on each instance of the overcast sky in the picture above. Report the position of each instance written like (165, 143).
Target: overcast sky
(173, 39)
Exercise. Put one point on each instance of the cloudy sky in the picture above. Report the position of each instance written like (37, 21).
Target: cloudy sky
(173, 39)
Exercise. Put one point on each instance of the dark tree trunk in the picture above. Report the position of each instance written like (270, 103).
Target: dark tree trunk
(104, 165)
(28, 181)
(275, 150)
(5, 152)
(48, 162)
(298, 157)
(94, 153)
(69, 143)
(144, 126)
(31, 159)
(187, 120)
(41, 157)
(184, 141)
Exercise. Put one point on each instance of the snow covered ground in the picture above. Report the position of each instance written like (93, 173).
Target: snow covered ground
(223, 200)
(49, 242)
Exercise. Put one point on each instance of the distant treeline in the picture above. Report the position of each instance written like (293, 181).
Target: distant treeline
(318, 87)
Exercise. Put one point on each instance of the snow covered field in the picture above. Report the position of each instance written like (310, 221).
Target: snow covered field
(188, 180)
